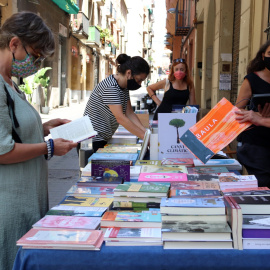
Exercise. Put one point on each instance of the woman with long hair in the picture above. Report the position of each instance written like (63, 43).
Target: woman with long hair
(178, 88)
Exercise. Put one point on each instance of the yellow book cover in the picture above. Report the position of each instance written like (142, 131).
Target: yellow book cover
(87, 201)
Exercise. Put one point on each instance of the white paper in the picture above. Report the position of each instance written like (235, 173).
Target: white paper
(263, 221)
(76, 131)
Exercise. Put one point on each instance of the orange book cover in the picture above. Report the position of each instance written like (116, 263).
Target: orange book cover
(109, 216)
(214, 131)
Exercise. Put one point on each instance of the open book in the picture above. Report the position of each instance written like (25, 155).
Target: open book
(78, 130)
(145, 143)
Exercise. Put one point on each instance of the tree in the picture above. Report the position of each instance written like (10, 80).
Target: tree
(177, 123)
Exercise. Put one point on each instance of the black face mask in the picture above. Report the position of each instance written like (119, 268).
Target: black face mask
(132, 84)
(267, 62)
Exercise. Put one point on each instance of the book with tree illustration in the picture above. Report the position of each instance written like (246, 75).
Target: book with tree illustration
(171, 126)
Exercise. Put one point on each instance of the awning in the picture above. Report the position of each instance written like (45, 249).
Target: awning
(68, 6)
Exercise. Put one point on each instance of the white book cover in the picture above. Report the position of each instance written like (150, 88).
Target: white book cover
(76, 131)
(229, 163)
(171, 126)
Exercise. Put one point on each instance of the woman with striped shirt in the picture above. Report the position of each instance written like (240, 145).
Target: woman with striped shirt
(109, 104)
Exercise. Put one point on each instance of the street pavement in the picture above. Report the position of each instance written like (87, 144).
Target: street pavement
(64, 171)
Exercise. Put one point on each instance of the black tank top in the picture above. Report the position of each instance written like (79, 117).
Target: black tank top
(171, 97)
(256, 134)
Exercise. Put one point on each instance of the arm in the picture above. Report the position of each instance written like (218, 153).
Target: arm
(192, 98)
(265, 112)
(53, 123)
(126, 122)
(253, 117)
(133, 116)
(244, 95)
(151, 89)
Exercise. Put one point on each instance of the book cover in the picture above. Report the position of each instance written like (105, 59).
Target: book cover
(194, 192)
(171, 127)
(197, 245)
(135, 205)
(71, 222)
(195, 185)
(60, 238)
(80, 211)
(148, 162)
(256, 243)
(256, 226)
(246, 191)
(207, 170)
(137, 146)
(107, 168)
(115, 156)
(145, 143)
(188, 162)
(160, 169)
(214, 131)
(203, 177)
(162, 177)
(130, 150)
(229, 163)
(87, 201)
(99, 180)
(105, 191)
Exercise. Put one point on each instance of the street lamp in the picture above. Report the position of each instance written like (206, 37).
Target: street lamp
(172, 10)
(168, 35)
(167, 43)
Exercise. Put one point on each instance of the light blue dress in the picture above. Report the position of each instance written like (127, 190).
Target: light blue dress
(23, 185)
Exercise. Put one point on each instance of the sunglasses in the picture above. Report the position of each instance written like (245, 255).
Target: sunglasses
(179, 60)
(38, 59)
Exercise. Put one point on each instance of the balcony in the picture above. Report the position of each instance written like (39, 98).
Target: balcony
(182, 23)
(100, 2)
(109, 11)
(108, 49)
(93, 37)
(80, 25)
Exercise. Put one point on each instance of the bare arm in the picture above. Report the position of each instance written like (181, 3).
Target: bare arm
(253, 117)
(133, 117)
(151, 89)
(244, 95)
(126, 122)
(192, 98)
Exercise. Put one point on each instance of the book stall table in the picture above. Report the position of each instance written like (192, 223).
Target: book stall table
(118, 258)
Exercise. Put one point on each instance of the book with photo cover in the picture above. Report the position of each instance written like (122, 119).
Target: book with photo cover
(207, 170)
(213, 177)
(195, 185)
(104, 191)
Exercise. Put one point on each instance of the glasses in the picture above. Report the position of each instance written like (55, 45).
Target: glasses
(38, 59)
(179, 60)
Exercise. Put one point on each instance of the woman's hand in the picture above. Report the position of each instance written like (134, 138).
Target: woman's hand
(62, 146)
(53, 123)
(248, 116)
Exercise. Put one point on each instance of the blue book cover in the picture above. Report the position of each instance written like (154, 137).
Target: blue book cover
(193, 202)
(114, 156)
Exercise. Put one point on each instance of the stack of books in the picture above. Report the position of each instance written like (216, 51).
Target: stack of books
(140, 196)
(188, 162)
(91, 191)
(230, 164)
(135, 172)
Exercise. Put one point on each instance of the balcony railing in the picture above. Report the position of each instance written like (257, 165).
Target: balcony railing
(182, 23)
(93, 37)
(80, 25)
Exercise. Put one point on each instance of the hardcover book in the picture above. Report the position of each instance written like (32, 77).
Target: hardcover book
(195, 185)
(165, 169)
(87, 201)
(188, 162)
(162, 177)
(207, 170)
(192, 206)
(214, 131)
(178, 193)
(105, 191)
(79, 211)
(54, 238)
(108, 168)
(87, 223)
(203, 177)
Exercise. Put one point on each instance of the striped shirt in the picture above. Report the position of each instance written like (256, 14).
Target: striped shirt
(107, 92)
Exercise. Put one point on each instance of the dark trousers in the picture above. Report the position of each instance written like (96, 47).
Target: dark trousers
(256, 160)
(98, 144)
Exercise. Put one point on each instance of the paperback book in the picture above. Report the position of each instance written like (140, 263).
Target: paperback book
(195, 185)
(162, 177)
(148, 162)
(188, 162)
(230, 164)
(105, 191)
(203, 177)
(116, 149)
(207, 170)
(179, 193)
(100, 181)
(135, 205)
(161, 169)
(264, 191)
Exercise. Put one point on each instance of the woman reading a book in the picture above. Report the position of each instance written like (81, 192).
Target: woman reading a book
(254, 148)
(178, 88)
(25, 41)
(109, 104)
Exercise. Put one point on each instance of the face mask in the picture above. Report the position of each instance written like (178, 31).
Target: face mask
(267, 62)
(132, 84)
(179, 75)
(24, 68)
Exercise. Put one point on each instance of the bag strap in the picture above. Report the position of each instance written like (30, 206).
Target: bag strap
(10, 104)
(167, 85)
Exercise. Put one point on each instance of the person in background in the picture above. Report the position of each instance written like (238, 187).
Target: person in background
(109, 104)
(254, 146)
(25, 41)
(178, 88)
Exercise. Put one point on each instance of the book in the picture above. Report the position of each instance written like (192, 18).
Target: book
(115, 156)
(147, 162)
(171, 126)
(133, 234)
(83, 191)
(234, 218)
(123, 139)
(256, 226)
(179, 193)
(195, 231)
(132, 243)
(145, 144)
(87, 201)
(135, 171)
(188, 162)
(146, 204)
(165, 169)
(107, 168)
(76, 131)
(54, 238)
(80, 211)
(197, 245)
(245, 191)
(137, 146)
(192, 206)
(131, 200)
(144, 189)
(236, 181)
(86, 171)
(207, 170)
(99, 181)
(87, 223)
(147, 219)
(214, 131)
(162, 177)
(230, 164)
(194, 218)
(256, 243)
(195, 185)
(259, 205)
(116, 149)
(203, 177)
